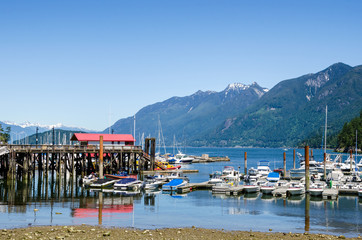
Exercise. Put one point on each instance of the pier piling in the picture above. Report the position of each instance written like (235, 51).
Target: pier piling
(306, 152)
(245, 163)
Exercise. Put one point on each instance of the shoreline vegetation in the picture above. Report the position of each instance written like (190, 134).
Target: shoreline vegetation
(98, 232)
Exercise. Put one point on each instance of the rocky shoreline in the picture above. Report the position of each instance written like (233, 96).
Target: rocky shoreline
(97, 232)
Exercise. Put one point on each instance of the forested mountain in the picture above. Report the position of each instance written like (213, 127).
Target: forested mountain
(190, 116)
(294, 110)
(347, 136)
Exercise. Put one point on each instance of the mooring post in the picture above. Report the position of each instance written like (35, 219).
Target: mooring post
(325, 163)
(293, 158)
(284, 165)
(306, 152)
(47, 164)
(245, 163)
(307, 216)
(101, 157)
(153, 152)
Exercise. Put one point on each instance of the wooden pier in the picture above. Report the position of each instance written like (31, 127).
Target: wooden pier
(22, 161)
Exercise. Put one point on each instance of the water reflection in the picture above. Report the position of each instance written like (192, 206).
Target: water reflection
(62, 201)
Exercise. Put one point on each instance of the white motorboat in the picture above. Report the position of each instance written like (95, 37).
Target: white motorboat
(253, 188)
(316, 189)
(129, 184)
(230, 174)
(183, 158)
(295, 188)
(267, 188)
(152, 183)
(253, 175)
(263, 168)
(215, 177)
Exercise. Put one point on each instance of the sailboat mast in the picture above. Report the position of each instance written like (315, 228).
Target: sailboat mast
(356, 147)
(325, 132)
(134, 126)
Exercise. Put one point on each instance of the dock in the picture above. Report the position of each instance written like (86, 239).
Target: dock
(194, 186)
(280, 192)
(330, 193)
(207, 159)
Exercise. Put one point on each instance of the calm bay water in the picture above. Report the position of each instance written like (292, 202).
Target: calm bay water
(67, 204)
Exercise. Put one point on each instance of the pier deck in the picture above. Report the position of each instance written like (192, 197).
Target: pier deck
(330, 193)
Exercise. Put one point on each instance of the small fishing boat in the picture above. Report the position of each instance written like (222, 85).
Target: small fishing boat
(128, 184)
(174, 184)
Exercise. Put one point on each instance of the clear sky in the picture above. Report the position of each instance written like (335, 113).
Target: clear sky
(88, 63)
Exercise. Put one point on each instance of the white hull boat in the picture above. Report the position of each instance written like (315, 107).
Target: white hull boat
(128, 184)
(251, 188)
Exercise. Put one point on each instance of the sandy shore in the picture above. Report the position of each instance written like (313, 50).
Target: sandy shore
(95, 232)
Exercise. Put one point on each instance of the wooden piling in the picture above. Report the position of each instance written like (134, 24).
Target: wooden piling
(306, 169)
(284, 165)
(245, 163)
(101, 157)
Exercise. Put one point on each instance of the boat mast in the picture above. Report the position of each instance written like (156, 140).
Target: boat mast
(134, 126)
(356, 148)
(325, 132)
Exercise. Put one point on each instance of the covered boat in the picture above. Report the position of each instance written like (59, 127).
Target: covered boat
(171, 186)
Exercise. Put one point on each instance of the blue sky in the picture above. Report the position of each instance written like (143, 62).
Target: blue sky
(89, 63)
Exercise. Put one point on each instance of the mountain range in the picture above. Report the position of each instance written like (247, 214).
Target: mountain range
(22, 130)
(287, 115)
(250, 115)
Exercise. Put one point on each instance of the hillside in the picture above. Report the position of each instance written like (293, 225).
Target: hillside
(195, 115)
(294, 110)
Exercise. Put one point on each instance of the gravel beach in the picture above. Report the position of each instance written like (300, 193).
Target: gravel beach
(96, 232)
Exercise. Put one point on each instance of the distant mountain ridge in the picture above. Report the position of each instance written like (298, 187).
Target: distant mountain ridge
(22, 130)
(293, 110)
(185, 117)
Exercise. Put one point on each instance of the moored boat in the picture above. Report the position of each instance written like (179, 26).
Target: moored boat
(174, 184)
(128, 184)
(295, 188)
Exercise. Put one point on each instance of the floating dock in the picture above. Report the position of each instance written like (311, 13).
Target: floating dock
(206, 159)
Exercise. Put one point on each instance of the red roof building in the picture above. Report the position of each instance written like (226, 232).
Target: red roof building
(108, 139)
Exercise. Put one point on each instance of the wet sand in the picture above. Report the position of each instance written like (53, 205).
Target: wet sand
(96, 232)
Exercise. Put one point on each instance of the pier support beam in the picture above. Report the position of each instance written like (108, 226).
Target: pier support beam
(245, 163)
(101, 157)
(284, 165)
(306, 154)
